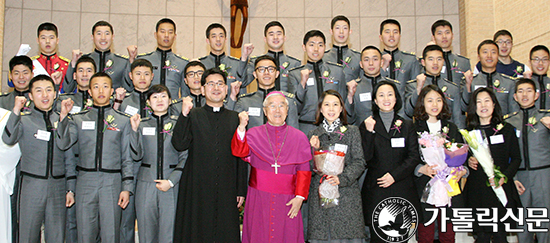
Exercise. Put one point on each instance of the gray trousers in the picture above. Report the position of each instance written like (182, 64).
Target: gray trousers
(71, 235)
(97, 211)
(42, 201)
(128, 221)
(156, 212)
(536, 195)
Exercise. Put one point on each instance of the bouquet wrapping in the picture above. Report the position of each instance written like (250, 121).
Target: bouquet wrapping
(329, 161)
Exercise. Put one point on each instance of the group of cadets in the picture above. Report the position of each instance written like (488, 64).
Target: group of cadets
(91, 154)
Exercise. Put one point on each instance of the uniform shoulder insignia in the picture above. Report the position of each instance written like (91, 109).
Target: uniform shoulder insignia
(234, 58)
(326, 51)
(335, 64)
(298, 67)
(122, 113)
(409, 53)
(253, 57)
(294, 58)
(175, 101)
(203, 57)
(357, 80)
(35, 57)
(4, 94)
(510, 115)
(288, 95)
(25, 113)
(246, 95)
(508, 77)
(411, 81)
(182, 57)
(145, 118)
(145, 54)
(66, 94)
(123, 56)
(458, 55)
(83, 111)
(127, 94)
(544, 110)
(353, 50)
(451, 82)
(174, 117)
(64, 58)
(393, 80)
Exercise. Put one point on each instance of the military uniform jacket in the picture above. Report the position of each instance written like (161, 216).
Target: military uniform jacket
(331, 76)
(168, 69)
(543, 86)
(105, 140)
(34, 131)
(115, 65)
(160, 160)
(514, 69)
(527, 123)
(232, 66)
(285, 63)
(361, 108)
(7, 100)
(135, 103)
(458, 66)
(82, 101)
(406, 67)
(253, 103)
(198, 101)
(349, 58)
(504, 87)
(52, 64)
(452, 92)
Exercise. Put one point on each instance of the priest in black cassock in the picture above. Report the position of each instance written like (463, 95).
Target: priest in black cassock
(213, 184)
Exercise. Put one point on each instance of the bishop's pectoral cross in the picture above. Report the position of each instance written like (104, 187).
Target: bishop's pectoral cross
(276, 166)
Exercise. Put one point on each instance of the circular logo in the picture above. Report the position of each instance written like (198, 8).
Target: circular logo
(395, 220)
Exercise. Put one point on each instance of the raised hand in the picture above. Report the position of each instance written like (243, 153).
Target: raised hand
(66, 107)
(135, 120)
(369, 123)
(186, 105)
(120, 93)
(19, 104)
(246, 50)
(386, 59)
(352, 88)
(57, 77)
(420, 80)
(76, 55)
(243, 120)
(132, 52)
(469, 77)
(305, 76)
(315, 142)
(235, 89)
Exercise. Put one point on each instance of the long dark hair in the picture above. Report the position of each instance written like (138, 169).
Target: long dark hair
(472, 120)
(398, 101)
(319, 117)
(420, 109)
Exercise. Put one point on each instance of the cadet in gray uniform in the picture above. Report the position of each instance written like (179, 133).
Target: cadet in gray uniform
(43, 194)
(539, 56)
(167, 66)
(533, 176)
(502, 85)
(403, 66)
(432, 60)
(233, 67)
(340, 29)
(85, 68)
(117, 66)
(275, 38)
(21, 74)
(359, 100)
(105, 139)
(265, 74)
(311, 80)
(135, 102)
(160, 172)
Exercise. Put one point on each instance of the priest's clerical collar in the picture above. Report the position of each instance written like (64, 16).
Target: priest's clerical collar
(213, 109)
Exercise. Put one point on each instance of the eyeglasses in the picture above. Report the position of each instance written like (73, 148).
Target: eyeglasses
(191, 74)
(275, 107)
(270, 69)
(538, 60)
(508, 42)
(212, 84)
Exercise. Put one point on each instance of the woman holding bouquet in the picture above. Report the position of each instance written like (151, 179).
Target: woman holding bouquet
(432, 115)
(344, 222)
(390, 147)
(485, 114)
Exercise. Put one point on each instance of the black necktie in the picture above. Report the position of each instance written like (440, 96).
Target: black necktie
(490, 80)
(448, 66)
(160, 149)
(340, 54)
(142, 104)
(217, 60)
(541, 90)
(102, 61)
(392, 65)
(163, 69)
(49, 128)
(524, 131)
(278, 80)
(318, 80)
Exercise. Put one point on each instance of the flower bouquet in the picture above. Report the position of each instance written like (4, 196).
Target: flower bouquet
(480, 148)
(455, 155)
(329, 161)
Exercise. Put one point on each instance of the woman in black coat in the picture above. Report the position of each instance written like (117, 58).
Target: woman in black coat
(432, 115)
(484, 113)
(390, 147)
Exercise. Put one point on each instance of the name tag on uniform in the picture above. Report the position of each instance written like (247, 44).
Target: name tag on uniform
(130, 110)
(398, 142)
(88, 125)
(43, 135)
(310, 82)
(443, 69)
(75, 109)
(479, 86)
(341, 148)
(149, 131)
(365, 97)
(518, 133)
(254, 111)
(497, 139)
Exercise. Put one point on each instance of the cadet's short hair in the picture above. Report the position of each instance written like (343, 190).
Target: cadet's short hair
(371, 47)
(140, 62)
(486, 42)
(440, 23)
(46, 26)
(163, 21)
(20, 60)
(271, 24)
(215, 26)
(158, 88)
(521, 81)
(314, 33)
(429, 48)
(213, 71)
(193, 64)
(102, 23)
(41, 77)
(339, 18)
(101, 75)
(501, 33)
(398, 100)
(538, 48)
(265, 57)
(389, 21)
(84, 59)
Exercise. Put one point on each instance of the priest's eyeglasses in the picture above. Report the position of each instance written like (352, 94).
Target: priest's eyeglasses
(197, 74)
(270, 69)
(213, 84)
(538, 60)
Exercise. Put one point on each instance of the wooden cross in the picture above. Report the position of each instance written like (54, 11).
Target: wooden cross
(276, 166)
